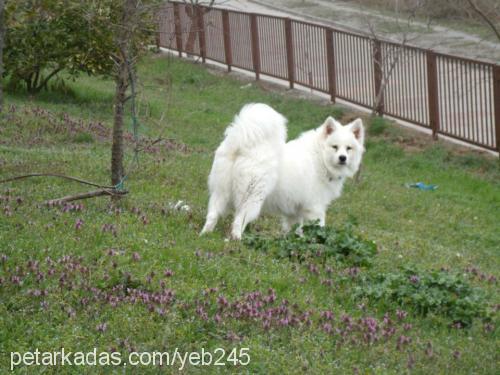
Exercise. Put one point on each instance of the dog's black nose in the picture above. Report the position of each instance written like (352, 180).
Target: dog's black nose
(342, 158)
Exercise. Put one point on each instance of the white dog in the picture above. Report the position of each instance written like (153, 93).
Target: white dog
(255, 169)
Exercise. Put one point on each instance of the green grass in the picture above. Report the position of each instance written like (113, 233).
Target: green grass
(454, 227)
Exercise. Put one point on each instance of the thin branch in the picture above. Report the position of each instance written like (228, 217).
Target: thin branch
(46, 79)
(484, 17)
(55, 175)
(90, 194)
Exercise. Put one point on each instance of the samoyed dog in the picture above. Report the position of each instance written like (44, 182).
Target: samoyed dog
(256, 171)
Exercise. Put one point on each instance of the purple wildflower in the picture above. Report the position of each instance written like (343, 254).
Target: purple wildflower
(414, 279)
(78, 224)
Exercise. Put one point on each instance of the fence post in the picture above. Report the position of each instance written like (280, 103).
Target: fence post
(289, 51)
(377, 75)
(201, 32)
(177, 25)
(432, 93)
(496, 101)
(255, 45)
(227, 39)
(159, 22)
(330, 61)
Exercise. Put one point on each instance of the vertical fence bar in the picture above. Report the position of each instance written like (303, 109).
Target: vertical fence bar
(227, 39)
(177, 25)
(255, 45)
(496, 101)
(432, 94)
(289, 51)
(158, 22)
(201, 32)
(377, 75)
(330, 61)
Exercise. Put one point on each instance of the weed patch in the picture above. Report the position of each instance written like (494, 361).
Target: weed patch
(439, 292)
(342, 245)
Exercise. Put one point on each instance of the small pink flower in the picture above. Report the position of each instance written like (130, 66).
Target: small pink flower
(327, 327)
(401, 314)
(78, 224)
(168, 273)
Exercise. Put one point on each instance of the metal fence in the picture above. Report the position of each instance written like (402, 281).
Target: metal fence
(449, 95)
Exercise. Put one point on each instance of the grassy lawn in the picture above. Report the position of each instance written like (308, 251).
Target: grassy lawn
(137, 277)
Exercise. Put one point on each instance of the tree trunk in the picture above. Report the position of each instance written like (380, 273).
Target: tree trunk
(2, 38)
(123, 61)
(117, 147)
(193, 29)
(2, 41)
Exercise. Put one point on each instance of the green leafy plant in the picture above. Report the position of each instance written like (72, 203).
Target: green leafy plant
(438, 292)
(46, 37)
(315, 241)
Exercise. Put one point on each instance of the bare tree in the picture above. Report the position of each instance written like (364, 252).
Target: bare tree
(194, 10)
(386, 61)
(491, 18)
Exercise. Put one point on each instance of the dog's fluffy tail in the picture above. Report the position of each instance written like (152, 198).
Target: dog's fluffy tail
(256, 124)
(245, 167)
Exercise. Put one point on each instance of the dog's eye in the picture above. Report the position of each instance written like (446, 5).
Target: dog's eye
(335, 147)
(349, 148)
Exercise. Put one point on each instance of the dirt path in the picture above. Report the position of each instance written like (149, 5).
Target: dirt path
(353, 18)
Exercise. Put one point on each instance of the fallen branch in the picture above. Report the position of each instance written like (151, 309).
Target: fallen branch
(56, 175)
(90, 194)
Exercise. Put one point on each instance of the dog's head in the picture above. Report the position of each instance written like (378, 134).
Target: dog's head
(342, 146)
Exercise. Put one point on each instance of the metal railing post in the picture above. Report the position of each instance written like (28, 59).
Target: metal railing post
(227, 39)
(254, 31)
(432, 93)
(378, 76)
(289, 51)
(496, 101)
(177, 25)
(201, 32)
(330, 61)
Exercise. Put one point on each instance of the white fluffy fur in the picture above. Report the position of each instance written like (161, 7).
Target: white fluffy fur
(256, 171)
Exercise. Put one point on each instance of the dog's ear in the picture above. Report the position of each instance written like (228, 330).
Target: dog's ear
(329, 126)
(358, 130)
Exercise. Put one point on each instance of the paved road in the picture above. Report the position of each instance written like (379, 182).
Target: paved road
(465, 90)
(351, 17)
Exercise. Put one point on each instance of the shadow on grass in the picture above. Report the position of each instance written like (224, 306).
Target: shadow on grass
(67, 91)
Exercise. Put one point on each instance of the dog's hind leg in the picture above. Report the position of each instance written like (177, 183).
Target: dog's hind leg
(248, 212)
(287, 222)
(217, 206)
(315, 214)
(250, 195)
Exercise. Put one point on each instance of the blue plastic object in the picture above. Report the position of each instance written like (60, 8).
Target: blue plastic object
(422, 186)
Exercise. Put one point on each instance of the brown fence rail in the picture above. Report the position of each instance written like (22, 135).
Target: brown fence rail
(449, 95)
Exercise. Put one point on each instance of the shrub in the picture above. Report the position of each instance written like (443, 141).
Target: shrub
(44, 37)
